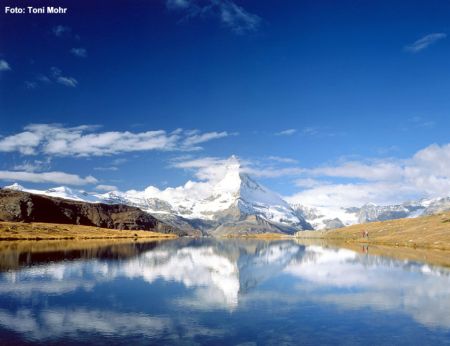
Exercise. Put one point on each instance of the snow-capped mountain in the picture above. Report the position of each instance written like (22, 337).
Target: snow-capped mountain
(60, 192)
(236, 203)
(371, 212)
(327, 218)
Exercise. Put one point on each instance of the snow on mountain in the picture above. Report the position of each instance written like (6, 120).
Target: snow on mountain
(15, 187)
(372, 212)
(232, 198)
(61, 192)
(236, 202)
(326, 217)
(437, 205)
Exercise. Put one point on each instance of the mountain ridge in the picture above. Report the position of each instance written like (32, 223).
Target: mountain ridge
(234, 202)
(237, 203)
(21, 206)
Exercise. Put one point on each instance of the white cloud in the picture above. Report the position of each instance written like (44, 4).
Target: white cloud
(310, 131)
(55, 76)
(30, 85)
(76, 142)
(51, 324)
(4, 66)
(316, 131)
(113, 165)
(235, 17)
(425, 42)
(348, 183)
(56, 140)
(238, 19)
(204, 137)
(308, 182)
(425, 174)
(379, 170)
(43, 79)
(106, 187)
(288, 132)
(67, 81)
(107, 168)
(27, 167)
(79, 52)
(33, 166)
(205, 168)
(273, 172)
(47, 177)
(23, 142)
(63, 80)
(178, 4)
(352, 194)
(282, 159)
(55, 71)
(61, 30)
(214, 168)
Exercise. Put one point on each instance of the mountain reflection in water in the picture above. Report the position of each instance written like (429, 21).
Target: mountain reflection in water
(209, 291)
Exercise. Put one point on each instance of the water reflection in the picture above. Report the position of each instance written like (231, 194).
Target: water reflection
(367, 281)
(232, 290)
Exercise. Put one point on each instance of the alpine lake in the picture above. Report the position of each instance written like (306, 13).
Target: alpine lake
(218, 292)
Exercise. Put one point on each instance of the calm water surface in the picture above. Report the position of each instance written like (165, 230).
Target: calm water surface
(221, 293)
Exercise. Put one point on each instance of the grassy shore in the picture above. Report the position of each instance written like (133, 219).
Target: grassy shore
(259, 236)
(49, 231)
(429, 232)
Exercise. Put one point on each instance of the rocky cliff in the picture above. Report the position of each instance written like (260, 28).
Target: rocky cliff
(26, 207)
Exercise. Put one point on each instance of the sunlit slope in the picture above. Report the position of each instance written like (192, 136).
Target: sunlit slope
(39, 230)
(428, 231)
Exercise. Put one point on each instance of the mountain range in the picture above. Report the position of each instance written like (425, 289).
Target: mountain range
(328, 218)
(237, 204)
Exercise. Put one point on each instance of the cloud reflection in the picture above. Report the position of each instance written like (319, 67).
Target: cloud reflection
(143, 295)
(351, 281)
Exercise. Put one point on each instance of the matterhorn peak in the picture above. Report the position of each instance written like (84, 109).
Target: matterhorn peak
(232, 179)
(233, 164)
(233, 167)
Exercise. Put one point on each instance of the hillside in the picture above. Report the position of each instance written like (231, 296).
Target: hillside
(426, 232)
(53, 231)
(19, 206)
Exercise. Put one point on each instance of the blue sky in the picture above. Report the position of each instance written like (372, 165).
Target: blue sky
(329, 102)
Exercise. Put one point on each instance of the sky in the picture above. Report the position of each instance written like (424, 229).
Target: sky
(325, 102)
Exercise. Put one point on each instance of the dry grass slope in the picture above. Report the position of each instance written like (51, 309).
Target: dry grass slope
(432, 232)
(49, 231)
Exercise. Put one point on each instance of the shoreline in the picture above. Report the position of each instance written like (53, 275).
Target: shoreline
(427, 232)
(37, 231)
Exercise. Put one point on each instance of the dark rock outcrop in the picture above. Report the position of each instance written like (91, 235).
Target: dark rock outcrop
(22, 206)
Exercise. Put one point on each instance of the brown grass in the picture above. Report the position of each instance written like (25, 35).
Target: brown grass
(259, 236)
(431, 232)
(49, 231)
